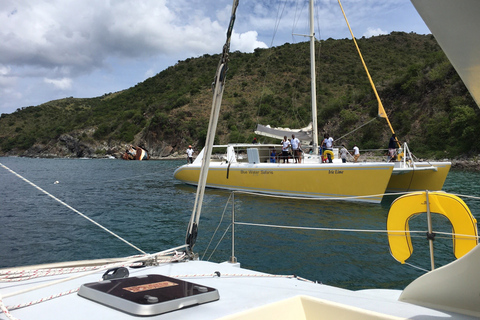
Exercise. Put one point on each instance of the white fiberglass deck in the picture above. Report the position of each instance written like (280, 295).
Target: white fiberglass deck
(241, 291)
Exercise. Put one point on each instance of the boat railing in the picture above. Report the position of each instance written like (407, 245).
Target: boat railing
(403, 156)
(467, 226)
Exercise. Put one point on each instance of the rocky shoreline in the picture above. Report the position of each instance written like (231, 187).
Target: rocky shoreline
(70, 146)
(469, 165)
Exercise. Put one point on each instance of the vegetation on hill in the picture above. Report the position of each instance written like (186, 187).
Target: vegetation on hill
(427, 103)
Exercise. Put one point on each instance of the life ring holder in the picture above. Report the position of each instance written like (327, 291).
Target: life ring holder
(465, 233)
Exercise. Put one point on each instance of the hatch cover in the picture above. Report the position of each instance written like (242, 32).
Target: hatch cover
(148, 295)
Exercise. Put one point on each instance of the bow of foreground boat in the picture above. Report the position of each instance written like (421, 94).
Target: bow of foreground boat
(243, 294)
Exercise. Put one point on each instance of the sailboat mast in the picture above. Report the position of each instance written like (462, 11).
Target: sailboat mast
(219, 86)
(313, 82)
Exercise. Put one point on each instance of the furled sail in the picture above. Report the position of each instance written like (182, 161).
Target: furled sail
(303, 134)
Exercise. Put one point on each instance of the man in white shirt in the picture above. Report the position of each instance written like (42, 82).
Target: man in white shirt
(189, 154)
(329, 143)
(285, 147)
(356, 153)
(296, 149)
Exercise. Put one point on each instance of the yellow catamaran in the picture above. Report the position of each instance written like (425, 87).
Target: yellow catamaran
(247, 167)
(408, 174)
(252, 171)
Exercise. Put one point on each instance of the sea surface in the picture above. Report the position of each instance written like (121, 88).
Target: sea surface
(142, 203)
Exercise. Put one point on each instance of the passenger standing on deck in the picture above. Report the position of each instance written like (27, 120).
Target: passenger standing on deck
(296, 149)
(329, 147)
(189, 154)
(322, 146)
(273, 156)
(285, 147)
(329, 143)
(356, 153)
(392, 148)
(343, 154)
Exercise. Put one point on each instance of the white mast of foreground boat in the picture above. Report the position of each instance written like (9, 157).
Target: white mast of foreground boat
(219, 86)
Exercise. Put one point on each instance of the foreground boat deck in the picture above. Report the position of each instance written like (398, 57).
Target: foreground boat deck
(241, 292)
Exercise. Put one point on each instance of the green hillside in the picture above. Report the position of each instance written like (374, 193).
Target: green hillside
(428, 105)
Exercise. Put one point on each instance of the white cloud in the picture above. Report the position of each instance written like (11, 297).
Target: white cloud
(374, 32)
(4, 70)
(62, 84)
(246, 42)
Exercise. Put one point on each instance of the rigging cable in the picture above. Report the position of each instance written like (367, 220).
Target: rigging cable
(355, 129)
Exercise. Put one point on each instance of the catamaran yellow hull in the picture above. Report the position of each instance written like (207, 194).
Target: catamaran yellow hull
(360, 182)
(421, 178)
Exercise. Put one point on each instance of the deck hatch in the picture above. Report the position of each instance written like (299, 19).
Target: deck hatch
(148, 295)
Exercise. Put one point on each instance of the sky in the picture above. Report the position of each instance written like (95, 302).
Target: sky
(52, 49)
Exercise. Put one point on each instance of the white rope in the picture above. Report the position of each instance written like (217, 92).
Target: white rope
(31, 303)
(53, 296)
(465, 196)
(73, 209)
(399, 233)
(52, 272)
(416, 267)
(5, 310)
(178, 256)
(107, 266)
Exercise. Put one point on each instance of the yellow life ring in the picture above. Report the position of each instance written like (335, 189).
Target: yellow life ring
(328, 152)
(448, 205)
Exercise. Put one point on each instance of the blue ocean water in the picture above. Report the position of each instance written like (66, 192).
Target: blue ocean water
(144, 204)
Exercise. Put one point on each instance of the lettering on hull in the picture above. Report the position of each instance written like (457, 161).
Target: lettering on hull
(335, 171)
(256, 172)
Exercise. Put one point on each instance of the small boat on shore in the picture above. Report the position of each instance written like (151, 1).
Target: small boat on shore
(136, 153)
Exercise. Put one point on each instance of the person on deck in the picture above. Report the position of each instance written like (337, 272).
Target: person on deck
(329, 143)
(356, 153)
(392, 146)
(322, 146)
(189, 154)
(273, 156)
(329, 146)
(285, 147)
(296, 149)
(343, 154)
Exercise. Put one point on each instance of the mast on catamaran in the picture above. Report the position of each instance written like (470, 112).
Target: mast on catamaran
(313, 82)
